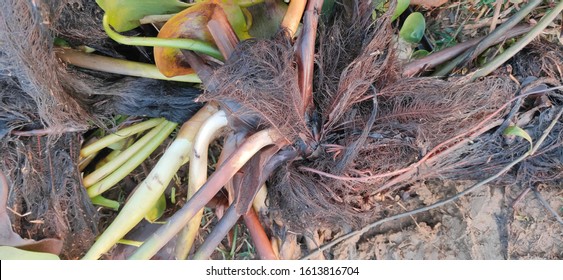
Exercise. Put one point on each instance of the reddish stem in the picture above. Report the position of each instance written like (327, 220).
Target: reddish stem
(222, 32)
(259, 238)
(416, 66)
(305, 53)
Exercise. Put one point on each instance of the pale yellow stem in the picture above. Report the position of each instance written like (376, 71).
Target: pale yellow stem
(197, 177)
(149, 191)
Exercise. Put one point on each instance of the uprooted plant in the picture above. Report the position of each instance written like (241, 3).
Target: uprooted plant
(325, 115)
(364, 130)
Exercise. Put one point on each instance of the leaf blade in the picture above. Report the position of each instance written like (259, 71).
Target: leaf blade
(413, 28)
(517, 131)
(124, 15)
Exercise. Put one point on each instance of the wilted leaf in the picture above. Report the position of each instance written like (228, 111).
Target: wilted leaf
(188, 24)
(517, 131)
(402, 5)
(12, 253)
(192, 24)
(124, 15)
(413, 28)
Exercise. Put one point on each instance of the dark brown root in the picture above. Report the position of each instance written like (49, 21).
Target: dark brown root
(539, 59)
(38, 92)
(261, 78)
(67, 97)
(412, 117)
(26, 41)
(45, 182)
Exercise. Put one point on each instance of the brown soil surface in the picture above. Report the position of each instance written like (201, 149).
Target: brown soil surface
(483, 225)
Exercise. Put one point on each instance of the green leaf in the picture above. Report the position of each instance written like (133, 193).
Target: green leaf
(236, 18)
(413, 28)
(124, 15)
(402, 6)
(158, 209)
(419, 54)
(516, 131)
(12, 253)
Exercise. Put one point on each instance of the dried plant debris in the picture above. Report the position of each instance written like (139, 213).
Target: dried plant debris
(372, 134)
(26, 40)
(79, 22)
(9, 238)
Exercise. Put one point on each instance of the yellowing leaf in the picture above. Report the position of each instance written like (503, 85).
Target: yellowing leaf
(517, 131)
(192, 24)
(236, 18)
(188, 24)
(124, 15)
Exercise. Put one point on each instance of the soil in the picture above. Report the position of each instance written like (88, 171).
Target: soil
(483, 225)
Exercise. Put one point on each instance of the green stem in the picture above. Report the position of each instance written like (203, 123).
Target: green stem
(108, 203)
(185, 44)
(115, 163)
(514, 49)
(132, 163)
(119, 66)
(489, 40)
(148, 193)
(119, 135)
(215, 182)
